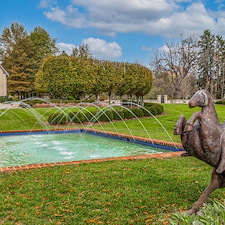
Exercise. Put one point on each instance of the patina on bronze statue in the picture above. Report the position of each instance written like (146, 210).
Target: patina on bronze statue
(203, 137)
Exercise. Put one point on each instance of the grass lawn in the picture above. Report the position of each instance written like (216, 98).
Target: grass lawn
(117, 192)
(122, 192)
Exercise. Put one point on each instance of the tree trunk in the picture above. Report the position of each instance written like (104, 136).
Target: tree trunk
(121, 99)
(109, 95)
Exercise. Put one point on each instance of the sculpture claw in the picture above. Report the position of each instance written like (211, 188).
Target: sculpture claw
(191, 212)
(188, 127)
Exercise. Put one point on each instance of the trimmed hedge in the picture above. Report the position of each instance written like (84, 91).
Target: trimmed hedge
(222, 102)
(108, 115)
(149, 106)
(105, 116)
(34, 102)
(5, 99)
(57, 118)
(76, 117)
(153, 110)
(159, 108)
(128, 114)
(69, 101)
(90, 116)
(118, 114)
(137, 112)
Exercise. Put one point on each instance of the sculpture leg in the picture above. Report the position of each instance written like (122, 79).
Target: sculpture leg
(190, 123)
(217, 181)
(221, 167)
(178, 129)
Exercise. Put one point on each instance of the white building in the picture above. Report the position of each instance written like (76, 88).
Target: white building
(3, 81)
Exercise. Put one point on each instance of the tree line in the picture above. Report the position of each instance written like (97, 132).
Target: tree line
(179, 70)
(64, 76)
(189, 64)
(36, 66)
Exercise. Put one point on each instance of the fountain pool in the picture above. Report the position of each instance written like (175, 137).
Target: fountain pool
(18, 150)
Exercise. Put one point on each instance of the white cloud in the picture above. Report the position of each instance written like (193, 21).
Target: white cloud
(157, 17)
(101, 49)
(68, 48)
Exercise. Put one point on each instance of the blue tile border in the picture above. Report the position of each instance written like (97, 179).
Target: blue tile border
(154, 145)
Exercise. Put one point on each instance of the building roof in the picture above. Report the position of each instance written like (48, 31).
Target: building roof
(4, 71)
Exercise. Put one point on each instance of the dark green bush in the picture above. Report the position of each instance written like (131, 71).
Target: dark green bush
(31, 102)
(125, 102)
(147, 104)
(118, 114)
(138, 112)
(220, 102)
(90, 116)
(63, 101)
(128, 114)
(57, 118)
(153, 110)
(89, 100)
(69, 100)
(5, 99)
(76, 117)
(159, 108)
(145, 111)
(105, 116)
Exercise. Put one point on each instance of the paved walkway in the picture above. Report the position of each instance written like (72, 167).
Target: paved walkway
(9, 105)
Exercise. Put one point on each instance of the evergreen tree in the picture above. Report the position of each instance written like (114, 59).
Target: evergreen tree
(22, 54)
(220, 67)
(206, 66)
(18, 59)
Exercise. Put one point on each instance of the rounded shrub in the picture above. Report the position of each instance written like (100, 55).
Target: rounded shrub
(77, 117)
(145, 111)
(118, 114)
(105, 116)
(90, 116)
(57, 118)
(220, 102)
(128, 114)
(159, 108)
(147, 104)
(152, 110)
(138, 112)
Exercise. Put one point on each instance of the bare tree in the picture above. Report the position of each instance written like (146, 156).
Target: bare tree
(176, 66)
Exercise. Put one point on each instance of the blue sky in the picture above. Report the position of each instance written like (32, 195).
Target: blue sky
(118, 30)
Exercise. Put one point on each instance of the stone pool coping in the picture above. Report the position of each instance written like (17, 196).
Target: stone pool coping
(175, 148)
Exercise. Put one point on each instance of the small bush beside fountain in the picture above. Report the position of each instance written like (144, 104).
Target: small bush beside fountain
(57, 118)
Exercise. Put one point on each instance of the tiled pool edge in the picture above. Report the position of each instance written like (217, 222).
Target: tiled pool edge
(153, 142)
(37, 166)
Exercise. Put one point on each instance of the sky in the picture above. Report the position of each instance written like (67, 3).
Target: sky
(117, 30)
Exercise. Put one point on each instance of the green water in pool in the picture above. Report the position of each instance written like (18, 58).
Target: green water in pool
(49, 148)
